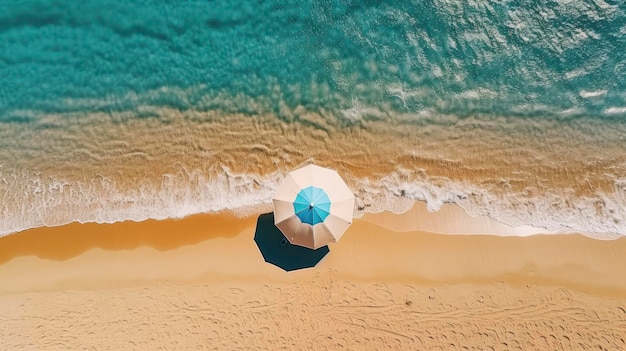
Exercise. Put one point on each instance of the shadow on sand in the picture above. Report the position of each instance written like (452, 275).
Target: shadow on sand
(278, 251)
(71, 240)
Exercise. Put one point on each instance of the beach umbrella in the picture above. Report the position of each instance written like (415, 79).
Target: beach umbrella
(313, 206)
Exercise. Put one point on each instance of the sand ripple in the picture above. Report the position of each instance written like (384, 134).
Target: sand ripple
(322, 313)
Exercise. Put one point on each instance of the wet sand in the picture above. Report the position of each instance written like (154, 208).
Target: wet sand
(515, 170)
(201, 283)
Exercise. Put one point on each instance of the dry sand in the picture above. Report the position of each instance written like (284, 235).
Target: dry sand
(201, 283)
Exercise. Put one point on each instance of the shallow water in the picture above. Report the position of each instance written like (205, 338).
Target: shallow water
(113, 111)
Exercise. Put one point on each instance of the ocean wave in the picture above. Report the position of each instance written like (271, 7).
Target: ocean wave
(53, 202)
(602, 216)
(45, 201)
(619, 111)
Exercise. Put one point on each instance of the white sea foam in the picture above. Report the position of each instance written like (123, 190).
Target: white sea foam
(358, 111)
(57, 202)
(615, 110)
(50, 202)
(602, 217)
(591, 94)
(477, 94)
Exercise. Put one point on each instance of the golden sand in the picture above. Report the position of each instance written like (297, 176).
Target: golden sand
(201, 283)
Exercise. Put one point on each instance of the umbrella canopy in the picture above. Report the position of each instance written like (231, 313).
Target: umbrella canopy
(313, 206)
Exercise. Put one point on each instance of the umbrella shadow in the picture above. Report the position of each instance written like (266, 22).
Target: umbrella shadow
(277, 250)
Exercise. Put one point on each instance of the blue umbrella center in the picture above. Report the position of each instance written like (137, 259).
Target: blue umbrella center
(312, 205)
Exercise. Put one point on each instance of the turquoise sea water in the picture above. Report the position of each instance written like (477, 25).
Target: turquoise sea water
(495, 57)
(78, 78)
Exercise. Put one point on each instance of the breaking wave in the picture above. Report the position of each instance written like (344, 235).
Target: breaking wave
(56, 202)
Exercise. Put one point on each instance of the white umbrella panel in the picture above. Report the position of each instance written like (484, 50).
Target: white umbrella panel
(313, 206)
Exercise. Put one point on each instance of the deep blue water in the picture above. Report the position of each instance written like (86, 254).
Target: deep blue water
(531, 58)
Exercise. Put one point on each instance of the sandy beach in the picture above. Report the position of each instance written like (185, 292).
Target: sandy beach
(201, 283)
(479, 194)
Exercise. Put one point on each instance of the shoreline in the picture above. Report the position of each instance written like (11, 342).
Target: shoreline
(450, 219)
(500, 168)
